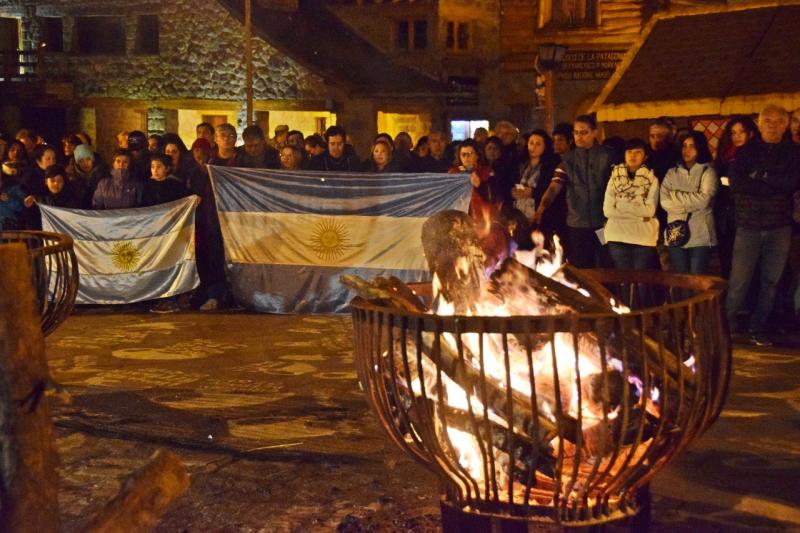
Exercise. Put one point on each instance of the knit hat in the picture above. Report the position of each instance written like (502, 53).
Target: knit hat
(83, 151)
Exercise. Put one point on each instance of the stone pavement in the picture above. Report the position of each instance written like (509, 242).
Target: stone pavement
(266, 412)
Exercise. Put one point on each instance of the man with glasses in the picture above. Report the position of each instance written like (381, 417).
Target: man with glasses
(583, 173)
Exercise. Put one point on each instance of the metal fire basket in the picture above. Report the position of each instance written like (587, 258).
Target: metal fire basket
(55, 273)
(579, 458)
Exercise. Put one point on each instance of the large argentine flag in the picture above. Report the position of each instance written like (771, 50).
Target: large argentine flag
(130, 255)
(290, 235)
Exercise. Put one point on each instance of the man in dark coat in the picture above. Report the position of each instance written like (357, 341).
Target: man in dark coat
(336, 158)
(256, 153)
(763, 177)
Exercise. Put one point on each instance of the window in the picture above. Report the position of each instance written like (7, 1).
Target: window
(52, 33)
(100, 35)
(457, 36)
(412, 33)
(402, 35)
(420, 34)
(147, 34)
(465, 129)
(568, 13)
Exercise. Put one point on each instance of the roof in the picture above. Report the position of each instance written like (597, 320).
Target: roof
(709, 61)
(316, 38)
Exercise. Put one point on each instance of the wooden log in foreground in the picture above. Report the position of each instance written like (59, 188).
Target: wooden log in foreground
(29, 485)
(143, 497)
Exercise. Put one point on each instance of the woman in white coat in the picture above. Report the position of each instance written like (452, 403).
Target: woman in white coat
(687, 193)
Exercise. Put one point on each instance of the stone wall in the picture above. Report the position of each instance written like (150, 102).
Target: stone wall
(201, 55)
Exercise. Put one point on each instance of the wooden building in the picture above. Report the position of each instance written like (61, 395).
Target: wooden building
(705, 64)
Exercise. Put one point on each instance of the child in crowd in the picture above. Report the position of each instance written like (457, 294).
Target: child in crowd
(119, 190)
(161, 188)
(60, 192)
(630, 206)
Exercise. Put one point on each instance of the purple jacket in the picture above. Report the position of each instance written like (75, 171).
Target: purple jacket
(118, 191)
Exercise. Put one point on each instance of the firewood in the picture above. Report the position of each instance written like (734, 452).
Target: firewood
(28, 480)
(512, 277)
(385, 292)
(527, 453)
(454, 256)
(143, 497)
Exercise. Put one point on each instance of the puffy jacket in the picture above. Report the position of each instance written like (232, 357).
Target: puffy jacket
(630, 204)
(685, 191)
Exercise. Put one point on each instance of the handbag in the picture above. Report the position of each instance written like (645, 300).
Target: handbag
(677, 232)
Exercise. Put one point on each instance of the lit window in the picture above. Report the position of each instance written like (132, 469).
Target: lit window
(457, 36)
(465, 129)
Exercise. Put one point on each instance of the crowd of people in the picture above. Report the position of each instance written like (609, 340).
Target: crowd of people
(661, 202)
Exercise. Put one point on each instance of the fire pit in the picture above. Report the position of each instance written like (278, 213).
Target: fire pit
(55, 273)
(559, 416)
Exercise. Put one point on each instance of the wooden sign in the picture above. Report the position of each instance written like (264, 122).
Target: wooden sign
(589, 64)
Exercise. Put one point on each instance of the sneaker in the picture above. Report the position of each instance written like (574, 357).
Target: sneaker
(760, 340)
(167, 306)
(210, 305)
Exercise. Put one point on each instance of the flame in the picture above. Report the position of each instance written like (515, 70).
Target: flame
(576, 361)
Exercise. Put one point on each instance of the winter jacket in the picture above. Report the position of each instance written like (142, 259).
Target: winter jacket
(630, 205)
(11, 207)
(763, 179)
(584, 172)
(685, 191)
(164, 191)
(118, 191)
(347, 163)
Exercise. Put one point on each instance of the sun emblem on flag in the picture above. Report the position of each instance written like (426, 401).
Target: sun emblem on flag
(125, 256)
(330, 239)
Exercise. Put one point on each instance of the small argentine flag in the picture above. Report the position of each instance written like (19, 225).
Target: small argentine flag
(130, 255)
(290, 235)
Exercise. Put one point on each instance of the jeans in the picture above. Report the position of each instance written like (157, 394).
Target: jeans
(584, 249)
(632, 256)
(771, 247)
(689, 260)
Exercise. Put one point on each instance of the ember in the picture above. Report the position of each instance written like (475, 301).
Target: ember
(531, 389)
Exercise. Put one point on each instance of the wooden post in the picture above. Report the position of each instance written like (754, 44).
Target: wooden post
(549, 110)
(29, 481)
(248, 58)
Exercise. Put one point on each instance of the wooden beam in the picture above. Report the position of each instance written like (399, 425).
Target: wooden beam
(29, 480)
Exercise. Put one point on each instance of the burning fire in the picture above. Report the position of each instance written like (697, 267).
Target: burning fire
(574, 380)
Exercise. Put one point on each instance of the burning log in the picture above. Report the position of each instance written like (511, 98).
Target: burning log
(387, 291)
(454, 256)
(513, 280)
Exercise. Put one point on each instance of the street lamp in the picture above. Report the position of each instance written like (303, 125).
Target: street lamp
(547, 61)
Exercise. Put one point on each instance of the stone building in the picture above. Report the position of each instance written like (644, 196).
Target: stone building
(109, 65)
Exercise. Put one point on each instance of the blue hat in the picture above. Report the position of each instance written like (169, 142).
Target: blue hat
(83, 151)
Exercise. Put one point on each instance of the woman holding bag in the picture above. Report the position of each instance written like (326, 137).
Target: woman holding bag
(687, 195)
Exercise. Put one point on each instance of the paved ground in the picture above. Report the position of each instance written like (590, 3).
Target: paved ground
(267, 414)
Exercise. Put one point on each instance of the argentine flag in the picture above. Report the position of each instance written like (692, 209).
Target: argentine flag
(289, 235)
(130, 255)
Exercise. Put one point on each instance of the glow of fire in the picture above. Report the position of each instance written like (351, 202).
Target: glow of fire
(588, 357)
